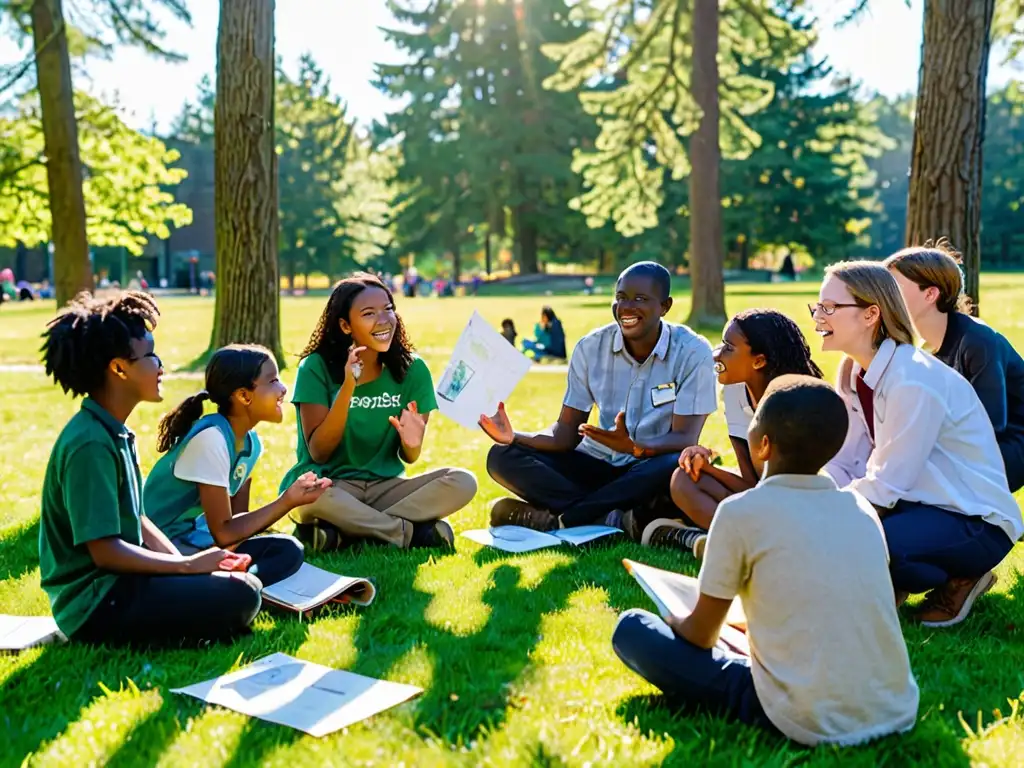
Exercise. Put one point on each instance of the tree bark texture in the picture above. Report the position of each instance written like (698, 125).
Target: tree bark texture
(526, 239)
(71, 267)
(245, 169)
(707, 252)
(945, 176)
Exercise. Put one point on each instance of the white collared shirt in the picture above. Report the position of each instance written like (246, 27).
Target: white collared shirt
(677, 378)
(933, 444)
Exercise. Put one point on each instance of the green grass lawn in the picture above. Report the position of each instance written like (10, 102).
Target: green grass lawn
(513, 651)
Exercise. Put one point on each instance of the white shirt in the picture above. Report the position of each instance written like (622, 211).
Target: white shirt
(738, 410)
(205, 459)
(934, 443)
(810, 565)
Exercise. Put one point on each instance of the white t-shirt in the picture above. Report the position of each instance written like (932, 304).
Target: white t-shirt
(738, 410)
(206, 459)
(810, 565)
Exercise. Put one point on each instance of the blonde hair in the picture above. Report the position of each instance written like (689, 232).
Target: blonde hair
(871, 284)
(935, 264)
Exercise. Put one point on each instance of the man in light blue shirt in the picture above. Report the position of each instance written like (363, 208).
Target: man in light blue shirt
(653, 383)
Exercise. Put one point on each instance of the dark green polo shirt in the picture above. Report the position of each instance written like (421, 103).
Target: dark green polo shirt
(91, 491)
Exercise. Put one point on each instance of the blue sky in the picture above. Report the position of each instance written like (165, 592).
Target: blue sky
(882, 51)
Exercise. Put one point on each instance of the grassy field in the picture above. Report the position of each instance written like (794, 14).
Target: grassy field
(513, 651)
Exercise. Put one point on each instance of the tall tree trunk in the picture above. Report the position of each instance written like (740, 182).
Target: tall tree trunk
(707, 256)
(526, 242)
(248, 305)
(72, 271)
(456, 263)
(945, 175)
(487, 252)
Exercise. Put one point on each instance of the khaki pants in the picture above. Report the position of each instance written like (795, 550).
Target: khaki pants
(385, 509)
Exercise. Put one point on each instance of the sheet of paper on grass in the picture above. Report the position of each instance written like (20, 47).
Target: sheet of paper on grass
(483, 371)
(18, 633)
(513, 538)
(676, 595)
(310, 587)
(309, 697)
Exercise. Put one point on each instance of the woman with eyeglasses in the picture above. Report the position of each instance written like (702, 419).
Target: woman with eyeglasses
(920, 447)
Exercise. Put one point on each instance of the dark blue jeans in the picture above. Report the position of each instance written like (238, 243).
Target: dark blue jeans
(717, 679)
(577, 486)
(929, 546)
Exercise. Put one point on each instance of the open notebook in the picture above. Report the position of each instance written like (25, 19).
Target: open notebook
(310, 587)
(676, 595)
(513, 538)
(18, 633)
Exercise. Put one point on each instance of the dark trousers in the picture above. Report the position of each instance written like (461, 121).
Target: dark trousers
(718, 679)
(577, 486)
(1012, 448)
(275, 556)
(929, 546)
(172, 610)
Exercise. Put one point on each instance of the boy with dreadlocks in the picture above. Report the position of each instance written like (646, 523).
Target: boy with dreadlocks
(109, 572)
(363, 400)
(758, 346)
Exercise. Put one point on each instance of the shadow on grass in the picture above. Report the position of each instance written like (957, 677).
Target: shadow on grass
(51, 694)
(19, 550)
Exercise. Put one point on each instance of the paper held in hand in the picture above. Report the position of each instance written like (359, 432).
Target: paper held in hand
(483, 371)
(299, 694)
(676, 595)
(513, 538)
(310, 587)
(19, 633)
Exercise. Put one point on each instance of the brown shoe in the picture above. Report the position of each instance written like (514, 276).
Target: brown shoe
(509, 511)
(949, 604)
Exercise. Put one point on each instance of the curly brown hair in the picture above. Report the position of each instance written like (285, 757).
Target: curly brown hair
(332, 344)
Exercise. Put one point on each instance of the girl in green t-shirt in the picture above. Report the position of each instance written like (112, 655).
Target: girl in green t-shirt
(363, 400)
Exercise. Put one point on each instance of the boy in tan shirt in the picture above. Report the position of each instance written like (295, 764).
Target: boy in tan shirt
(810, 566)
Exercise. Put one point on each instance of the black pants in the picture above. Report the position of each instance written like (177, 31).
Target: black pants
(172, 610)
(577, 486)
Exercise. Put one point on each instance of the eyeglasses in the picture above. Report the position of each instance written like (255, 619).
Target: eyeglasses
(828, 308)
(151, 356)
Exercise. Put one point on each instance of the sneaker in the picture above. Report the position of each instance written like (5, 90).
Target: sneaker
(949, 604)
(319, 536)
(625, 522)
(509, 511)
(432, 534)
(671, 533)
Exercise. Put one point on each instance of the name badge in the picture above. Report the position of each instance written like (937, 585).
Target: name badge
(663, 393)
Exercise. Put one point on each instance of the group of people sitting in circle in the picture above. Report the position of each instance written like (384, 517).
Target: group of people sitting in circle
(845, 502)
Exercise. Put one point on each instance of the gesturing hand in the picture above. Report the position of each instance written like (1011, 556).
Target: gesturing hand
(498, 427)
(410, 426)
(306, 489)
(353, 366)
(617, 439)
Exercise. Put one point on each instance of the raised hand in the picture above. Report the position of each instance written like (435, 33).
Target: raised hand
(410, 425)
(306, 489)
(354, 366)
(617, 439)
(498, 427)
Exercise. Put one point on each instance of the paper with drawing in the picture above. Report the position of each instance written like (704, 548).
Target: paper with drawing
(513, 538)
(483, 371)
(299, 694)
(310, 587)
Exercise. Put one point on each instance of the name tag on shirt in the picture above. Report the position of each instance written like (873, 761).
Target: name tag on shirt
(663, 394)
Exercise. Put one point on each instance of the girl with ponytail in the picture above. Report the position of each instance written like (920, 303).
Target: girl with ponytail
(198, 492)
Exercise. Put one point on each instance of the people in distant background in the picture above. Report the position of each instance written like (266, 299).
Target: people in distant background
(508, 330)
(45, 290)
(477, 281)
(788, 269)
(25, 291)
(549, 338)
(7, 290)
(932, 286)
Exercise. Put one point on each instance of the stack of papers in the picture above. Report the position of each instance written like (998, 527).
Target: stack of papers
(310, 587)
(512, 538)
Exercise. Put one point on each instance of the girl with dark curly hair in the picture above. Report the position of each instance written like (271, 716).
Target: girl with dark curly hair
(758, 345)
(363, 400)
